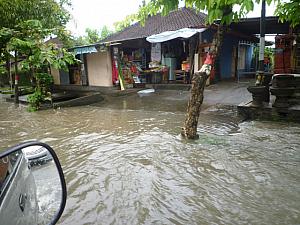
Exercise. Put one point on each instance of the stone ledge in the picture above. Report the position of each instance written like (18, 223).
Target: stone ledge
(267, 112)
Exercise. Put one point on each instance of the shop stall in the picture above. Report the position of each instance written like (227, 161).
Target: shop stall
(154, 60)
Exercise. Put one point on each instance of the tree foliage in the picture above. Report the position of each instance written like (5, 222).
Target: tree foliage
(289, 11)
(79, 41)
(121, 25)
(215, 9)
(93, 36)
(42, 92)
(28, 41)
(24, 26)
(105, 32)
(50, 13)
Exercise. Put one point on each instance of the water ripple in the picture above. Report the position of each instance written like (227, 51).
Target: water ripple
(131, 166)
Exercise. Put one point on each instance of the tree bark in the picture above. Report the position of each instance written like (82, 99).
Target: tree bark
(189, 130)
(218, 42)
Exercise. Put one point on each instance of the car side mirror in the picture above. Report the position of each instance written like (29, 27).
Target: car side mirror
(32, 185)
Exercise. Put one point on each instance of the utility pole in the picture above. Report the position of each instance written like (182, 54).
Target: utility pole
(16, 79)
(260, 92)
(263, 79)
(262, 38)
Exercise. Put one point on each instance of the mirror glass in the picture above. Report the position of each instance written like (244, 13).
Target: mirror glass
(30, 187)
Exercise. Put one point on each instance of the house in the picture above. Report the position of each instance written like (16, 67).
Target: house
(167, 49)
(95, 68)
(180, 30)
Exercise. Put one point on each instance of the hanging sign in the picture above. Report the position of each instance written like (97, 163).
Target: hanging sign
(156, 52)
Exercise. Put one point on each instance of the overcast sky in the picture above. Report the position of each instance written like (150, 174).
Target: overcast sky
(97, 13)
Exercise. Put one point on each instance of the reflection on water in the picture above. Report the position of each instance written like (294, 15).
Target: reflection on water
(125, 163)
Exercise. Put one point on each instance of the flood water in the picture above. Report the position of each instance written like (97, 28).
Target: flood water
(125, 162)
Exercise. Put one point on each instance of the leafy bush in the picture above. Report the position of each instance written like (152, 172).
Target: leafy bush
(42, 91)
(43, 80)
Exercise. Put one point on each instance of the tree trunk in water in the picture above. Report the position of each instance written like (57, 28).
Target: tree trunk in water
(189, 130)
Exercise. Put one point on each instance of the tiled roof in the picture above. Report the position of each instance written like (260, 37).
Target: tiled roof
(175, 20)
(58, 43)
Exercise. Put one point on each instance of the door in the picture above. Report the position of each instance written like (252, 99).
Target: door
(242, 58)
(64, 77)
(84, 76)
(234, 62)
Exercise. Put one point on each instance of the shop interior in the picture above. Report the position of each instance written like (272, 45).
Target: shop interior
(138, 62)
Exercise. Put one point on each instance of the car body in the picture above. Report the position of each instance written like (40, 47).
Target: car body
(18, 200)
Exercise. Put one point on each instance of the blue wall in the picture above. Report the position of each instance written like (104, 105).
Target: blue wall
(229, 43)
(226, 55)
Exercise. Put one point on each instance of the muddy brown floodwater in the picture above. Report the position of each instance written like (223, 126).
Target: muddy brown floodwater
(125, 162)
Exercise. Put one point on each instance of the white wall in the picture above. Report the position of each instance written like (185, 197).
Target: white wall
(55, 74)
(99, 69)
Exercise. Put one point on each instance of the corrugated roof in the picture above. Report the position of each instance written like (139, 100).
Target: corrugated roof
(175, 20)
(84, 50)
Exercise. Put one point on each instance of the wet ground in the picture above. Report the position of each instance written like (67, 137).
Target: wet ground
(125, 162)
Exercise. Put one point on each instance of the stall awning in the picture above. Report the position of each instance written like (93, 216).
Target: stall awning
(169, 35)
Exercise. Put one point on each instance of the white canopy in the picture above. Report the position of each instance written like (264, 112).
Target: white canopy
(169, 35)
